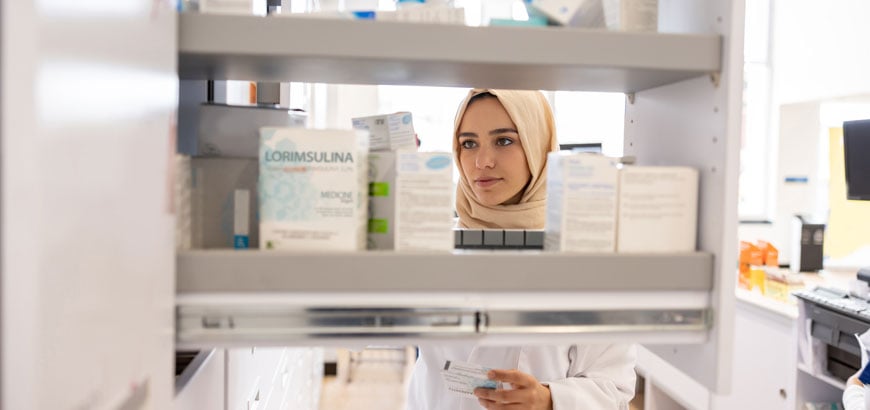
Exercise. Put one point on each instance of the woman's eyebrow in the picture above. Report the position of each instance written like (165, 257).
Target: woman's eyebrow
(467, 134)
(503, 131)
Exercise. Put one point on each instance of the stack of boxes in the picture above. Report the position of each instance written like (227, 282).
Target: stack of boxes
(291, 188)
(595, 205)
(222, 209)
(410, 203)
(760, 272)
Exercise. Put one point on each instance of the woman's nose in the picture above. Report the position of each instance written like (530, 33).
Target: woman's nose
(485, 158)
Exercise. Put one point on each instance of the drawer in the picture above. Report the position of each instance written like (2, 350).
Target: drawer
(250, 376)
(201, 384)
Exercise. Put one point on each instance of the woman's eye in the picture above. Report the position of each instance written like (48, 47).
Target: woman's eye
(504, 141)
(467, 144)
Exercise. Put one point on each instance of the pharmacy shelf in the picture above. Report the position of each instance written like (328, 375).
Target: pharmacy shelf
(836, 383)
(305, 49)
(217, 271)
(243, 298)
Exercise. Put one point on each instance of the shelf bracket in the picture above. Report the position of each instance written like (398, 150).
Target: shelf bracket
(716, 78)
(630, 98)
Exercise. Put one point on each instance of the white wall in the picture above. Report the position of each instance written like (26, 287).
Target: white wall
(819, 54)
(820, 49)
(798, 155)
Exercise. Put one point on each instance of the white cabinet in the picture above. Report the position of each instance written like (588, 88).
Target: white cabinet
(87, 108)
(683, 107)
(268, 378)
(765, 360)
(202, 383)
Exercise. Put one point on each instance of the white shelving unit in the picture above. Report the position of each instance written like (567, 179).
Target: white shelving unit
(252, 298)
(365, 52)
(684, 108)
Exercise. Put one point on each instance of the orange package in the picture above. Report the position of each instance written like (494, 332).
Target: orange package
(769, 253)
(749, 255)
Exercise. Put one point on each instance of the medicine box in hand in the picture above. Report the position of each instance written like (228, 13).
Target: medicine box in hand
(388, 132)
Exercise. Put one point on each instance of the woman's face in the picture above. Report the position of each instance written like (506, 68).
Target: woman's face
(490, 153)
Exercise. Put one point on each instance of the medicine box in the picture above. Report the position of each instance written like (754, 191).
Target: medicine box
(410, 201)
(382, 200)
(424, 201)
(313, 189)
(578, 13)
(582, 196)
(658, 209)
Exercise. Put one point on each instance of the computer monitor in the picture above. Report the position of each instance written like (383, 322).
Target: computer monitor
(856, 146)
(585, 147)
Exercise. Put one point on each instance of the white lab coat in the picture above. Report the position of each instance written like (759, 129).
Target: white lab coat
(579, 376)
(855, 397)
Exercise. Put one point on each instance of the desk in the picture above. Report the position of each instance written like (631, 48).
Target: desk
(767, 372)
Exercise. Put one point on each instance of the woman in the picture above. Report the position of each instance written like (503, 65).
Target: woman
(501, 143)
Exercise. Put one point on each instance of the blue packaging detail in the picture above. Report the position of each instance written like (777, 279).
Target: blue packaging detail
(533, 21)
(865, 375)
(364, 15)
(240, 242)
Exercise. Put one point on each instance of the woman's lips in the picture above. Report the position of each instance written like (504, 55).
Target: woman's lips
(486, 182)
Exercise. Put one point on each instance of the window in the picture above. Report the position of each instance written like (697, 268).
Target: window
(587, 117)
(756, 169)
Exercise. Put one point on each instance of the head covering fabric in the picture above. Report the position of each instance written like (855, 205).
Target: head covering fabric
(531, 113)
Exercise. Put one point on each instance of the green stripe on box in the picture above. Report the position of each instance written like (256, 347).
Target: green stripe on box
(379, 189)
(378, 225)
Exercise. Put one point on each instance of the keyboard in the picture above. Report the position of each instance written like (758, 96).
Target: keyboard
(837, 301)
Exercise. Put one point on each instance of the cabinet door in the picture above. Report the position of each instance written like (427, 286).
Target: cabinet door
(89, 91)
(765, 344)
(202, 387)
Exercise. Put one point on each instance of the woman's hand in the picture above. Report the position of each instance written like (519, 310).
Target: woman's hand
(526, 393)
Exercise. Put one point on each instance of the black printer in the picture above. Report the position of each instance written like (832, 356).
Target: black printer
(835, 318)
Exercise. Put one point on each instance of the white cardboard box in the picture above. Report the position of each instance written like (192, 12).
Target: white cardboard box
(424, 201)
(388, 132)
(658, 209)
(181, 197)
(241, 7)
(382, 200)
(582, 194)
(578, 13)
(410, 208)
(425, 14)
(627, 15)
(313, 189)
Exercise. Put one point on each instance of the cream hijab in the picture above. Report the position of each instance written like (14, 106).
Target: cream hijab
(533, 118)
